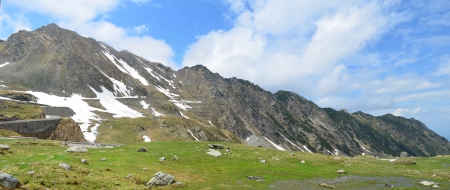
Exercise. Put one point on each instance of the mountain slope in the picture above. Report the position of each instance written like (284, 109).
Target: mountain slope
(64, 69)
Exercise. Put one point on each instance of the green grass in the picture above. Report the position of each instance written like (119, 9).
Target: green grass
(194, 168)
(10, 109)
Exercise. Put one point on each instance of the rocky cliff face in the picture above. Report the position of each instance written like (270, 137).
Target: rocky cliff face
(62, 63)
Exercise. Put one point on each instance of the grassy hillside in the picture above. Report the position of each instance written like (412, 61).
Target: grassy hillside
(196, 170)
(19, 111)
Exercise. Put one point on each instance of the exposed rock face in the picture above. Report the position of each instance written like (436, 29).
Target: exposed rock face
(60, 62)
(19, 96)
(67, 130)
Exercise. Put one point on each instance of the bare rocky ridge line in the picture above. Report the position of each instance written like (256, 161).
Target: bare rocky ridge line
(60, 62)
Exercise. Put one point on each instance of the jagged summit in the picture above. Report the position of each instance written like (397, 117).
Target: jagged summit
(64, 69)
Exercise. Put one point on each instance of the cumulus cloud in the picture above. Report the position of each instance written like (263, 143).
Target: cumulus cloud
(87, 17)
(296, 45)
(402, 111)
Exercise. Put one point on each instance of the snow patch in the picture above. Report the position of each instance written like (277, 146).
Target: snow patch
(306, 148)
(193, 135)
(146, 138)
(291, 142)
(174, 76)
(156, 113)
(210, 123)
(144, 105)
(248, 138)
(183, 115)
(125, 68)
(113, 106)
(182, 104)
(119, 86)
(93, 134)
(1, 85)
(275, 145)
(4, 64)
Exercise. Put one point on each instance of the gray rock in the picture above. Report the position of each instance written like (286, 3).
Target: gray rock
(255, 177)
(31, 173)
(77, 149)
(129, 176)
(162, 159)
(175, 157)
(213, 152)
(275, 158)
(84, 161)
(161, 179)
(291, 154)
(302, 161)
(103, 159)
(427, 183)
(327, 186)
(8, 181)
(4, 147)
(263, 161)
(404, 154)
(65, 166)
(142, 149)
(341, 171)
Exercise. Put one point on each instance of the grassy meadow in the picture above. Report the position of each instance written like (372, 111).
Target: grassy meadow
(195, 169)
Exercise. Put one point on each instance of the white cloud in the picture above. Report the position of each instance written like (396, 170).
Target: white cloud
(403, 111)
(12, 23)
(281, 44)
(140, 29)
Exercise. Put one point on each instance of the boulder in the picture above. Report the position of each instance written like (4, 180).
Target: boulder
(142, 149)
(214, 152)
(7, 181)
(263, 161)
(404, 154)
(302, 162)
(341, 171)
(65, 166)
(4, 147)
(160, 179)
(162, 159)
(77, 149)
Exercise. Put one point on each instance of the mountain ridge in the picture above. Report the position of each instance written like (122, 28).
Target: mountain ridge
(56, 61)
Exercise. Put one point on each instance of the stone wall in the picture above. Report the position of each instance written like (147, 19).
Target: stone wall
(35, 128)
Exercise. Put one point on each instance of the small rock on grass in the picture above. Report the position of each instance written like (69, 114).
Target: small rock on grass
(263, 161)
(84, 161)
(30, 173)
(4, 147)
(161, 179)
(302, 162)
(65, 166)
(103, 159)
(8, 181)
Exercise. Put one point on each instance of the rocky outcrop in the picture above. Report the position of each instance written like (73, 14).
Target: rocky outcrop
(67, 130)
(19, 96)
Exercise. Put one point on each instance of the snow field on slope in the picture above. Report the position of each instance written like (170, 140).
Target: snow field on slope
(119, 86)
(125, 68)
(291, 142)
(83, 112)
(108, 100)
(146, 138)
(192, 134)
(144, 105)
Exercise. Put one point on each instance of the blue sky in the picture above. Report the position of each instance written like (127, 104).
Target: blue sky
(370, 55)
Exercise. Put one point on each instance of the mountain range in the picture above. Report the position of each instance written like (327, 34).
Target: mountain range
(62, 69)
